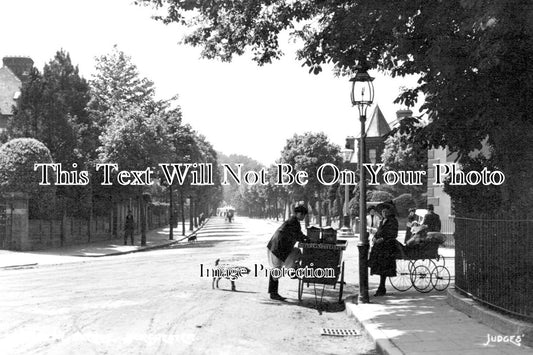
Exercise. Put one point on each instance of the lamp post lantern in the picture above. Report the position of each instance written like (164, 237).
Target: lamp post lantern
(362, 96)
(346, 231)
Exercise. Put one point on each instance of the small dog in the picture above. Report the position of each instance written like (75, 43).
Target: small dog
(231, 272)
(192, 239)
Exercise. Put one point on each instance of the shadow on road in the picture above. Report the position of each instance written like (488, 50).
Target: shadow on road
(236, 291)
(324, 306)
(199, 244)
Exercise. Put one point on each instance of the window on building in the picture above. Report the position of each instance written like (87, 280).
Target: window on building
(372, 155)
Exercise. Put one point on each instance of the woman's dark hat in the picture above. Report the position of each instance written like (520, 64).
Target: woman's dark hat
(387, 205)
(301, 209)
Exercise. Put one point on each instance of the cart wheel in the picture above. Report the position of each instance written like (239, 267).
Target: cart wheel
(402, 281)
(440, 278)
(341, 288)
(421, 279)
(300, 289)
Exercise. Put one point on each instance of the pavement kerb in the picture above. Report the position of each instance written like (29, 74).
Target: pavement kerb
(160, 246)
(382, 342)
(19, 266)
(499, 322)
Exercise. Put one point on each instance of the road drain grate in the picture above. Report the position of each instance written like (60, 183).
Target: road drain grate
(338, 332)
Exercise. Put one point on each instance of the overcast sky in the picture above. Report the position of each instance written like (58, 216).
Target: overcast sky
(240, 107)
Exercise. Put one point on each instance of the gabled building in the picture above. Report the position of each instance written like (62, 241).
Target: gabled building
(376, 129)
(13, 73)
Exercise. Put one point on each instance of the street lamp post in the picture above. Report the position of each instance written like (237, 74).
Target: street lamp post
(345, 231)
(362, 97)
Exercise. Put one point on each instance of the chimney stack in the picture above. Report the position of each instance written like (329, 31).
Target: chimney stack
(401, 114)
(350, 143)
(20, 66)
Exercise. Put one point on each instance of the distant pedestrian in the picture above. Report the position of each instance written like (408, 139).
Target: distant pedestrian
(382, 260)
(411, 222)
(129, 226)
(432, 220)
(372, 221)
(281, 251)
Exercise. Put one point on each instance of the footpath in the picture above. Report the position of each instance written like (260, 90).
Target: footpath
(417, 323)
(156, 238)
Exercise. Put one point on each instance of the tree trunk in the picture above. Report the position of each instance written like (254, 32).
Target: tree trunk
(90, 214)
(171, 224)
(319, 210)
(195, 215)
(114, 219)
(182, 211)
(191, 223)
(63, 219)
(340, 206)
(110, 231)
(276, 208)
(142, 207)
(89, 222)
(328, 214)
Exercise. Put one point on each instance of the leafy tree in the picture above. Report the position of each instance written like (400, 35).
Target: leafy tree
(308, 152)
(133, 124)
(179, 144)
(131, 141)
(275, 195)
(471, 57)
(354, 202)
(402, 153)
(17, 159)
(52, 108)
(467, 198)
(254, 201)
(207, 197)
(118, 84)
(380, 196)
(403, 203)
(234, 194)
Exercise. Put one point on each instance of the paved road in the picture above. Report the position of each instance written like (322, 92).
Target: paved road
(156, 302)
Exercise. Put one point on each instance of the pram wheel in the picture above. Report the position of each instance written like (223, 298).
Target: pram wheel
(402, 281)
(440, 278)
(421, 279)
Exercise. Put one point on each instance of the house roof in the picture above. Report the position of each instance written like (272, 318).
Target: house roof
(9, 89)
(377, 126)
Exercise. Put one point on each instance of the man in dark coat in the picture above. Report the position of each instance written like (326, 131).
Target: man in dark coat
(382, 259)
(129, 226)
(281, 250)
(432, 220)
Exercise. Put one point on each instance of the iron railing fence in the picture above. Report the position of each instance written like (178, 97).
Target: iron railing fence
(448, 229)
(494, 262)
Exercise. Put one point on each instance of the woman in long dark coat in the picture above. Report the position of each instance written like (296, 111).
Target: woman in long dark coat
(382, 259)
